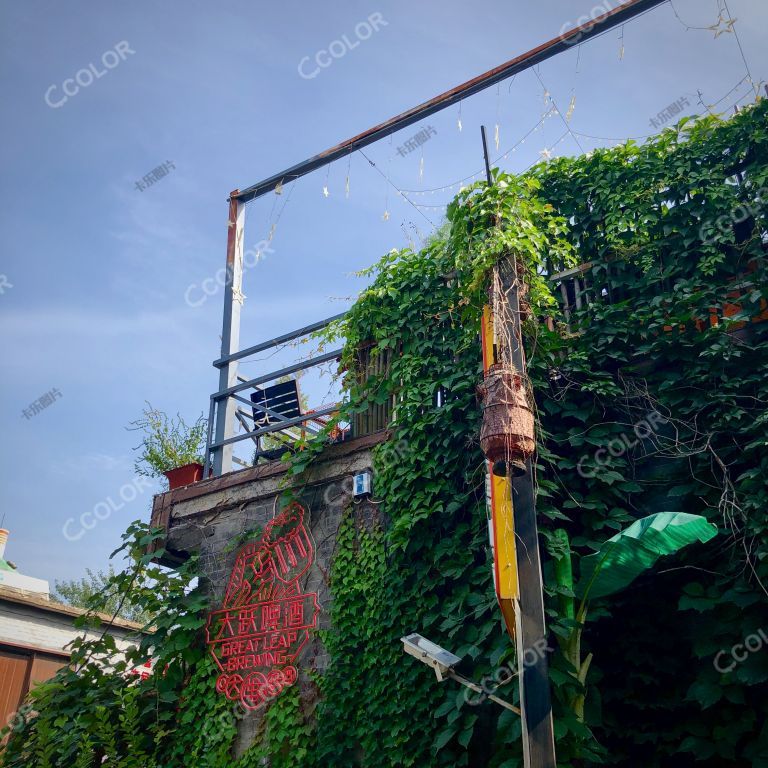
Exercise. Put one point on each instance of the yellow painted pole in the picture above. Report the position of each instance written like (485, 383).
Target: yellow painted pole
(502, 518)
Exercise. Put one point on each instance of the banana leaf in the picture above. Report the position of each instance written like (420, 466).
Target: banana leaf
(622, 558)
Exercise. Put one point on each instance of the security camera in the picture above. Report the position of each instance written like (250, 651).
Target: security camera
(429, 653)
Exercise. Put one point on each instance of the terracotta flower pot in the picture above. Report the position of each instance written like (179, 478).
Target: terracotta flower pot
(186, 475)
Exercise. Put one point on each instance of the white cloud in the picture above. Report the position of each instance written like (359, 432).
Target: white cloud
(87, 464)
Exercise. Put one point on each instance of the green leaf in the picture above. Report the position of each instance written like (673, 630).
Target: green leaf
(622, 558)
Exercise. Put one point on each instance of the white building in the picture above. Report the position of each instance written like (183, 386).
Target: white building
(35, 633)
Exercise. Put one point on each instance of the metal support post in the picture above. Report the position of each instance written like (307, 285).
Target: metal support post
(230, 336)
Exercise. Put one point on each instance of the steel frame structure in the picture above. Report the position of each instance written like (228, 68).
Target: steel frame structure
(223, 412)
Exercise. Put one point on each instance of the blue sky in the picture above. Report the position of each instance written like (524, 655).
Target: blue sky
(99, 269)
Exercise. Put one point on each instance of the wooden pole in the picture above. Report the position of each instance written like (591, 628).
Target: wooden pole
(500, 489)
(531, 632)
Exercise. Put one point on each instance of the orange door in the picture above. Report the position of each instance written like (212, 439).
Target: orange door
(13, 684)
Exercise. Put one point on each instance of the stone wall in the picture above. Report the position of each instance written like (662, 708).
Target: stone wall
(217, 518)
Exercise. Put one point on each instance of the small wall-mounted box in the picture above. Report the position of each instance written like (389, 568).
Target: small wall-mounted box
(361, 484)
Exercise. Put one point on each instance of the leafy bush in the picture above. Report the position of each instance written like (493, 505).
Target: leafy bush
(168, 443)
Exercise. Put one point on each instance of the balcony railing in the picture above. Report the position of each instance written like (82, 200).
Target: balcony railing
(269, 410)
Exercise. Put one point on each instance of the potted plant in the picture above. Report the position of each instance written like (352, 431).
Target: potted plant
(170, 447)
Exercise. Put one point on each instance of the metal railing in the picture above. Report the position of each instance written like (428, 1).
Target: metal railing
(225, 411)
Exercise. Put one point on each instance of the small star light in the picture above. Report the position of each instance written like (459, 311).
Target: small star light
(546, 154)
(279, 188)
(722, 26)
(385, 216)
(325, 185)
(571, 108)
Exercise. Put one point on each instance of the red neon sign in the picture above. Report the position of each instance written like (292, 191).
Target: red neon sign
(264, 624)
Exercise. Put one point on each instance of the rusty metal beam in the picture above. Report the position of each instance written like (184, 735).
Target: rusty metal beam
(525, 61)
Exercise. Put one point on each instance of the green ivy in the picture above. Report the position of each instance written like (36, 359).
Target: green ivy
(672, 241)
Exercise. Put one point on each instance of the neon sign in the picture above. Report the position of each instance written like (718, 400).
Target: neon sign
(265, 622)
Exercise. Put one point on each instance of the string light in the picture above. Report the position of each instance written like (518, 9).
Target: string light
(551, 111)
(571, 108)
(732, 22)
(550, 151)
(685, 24)
(557, 112)
(572, 102)
(725, 24)
(650, 135)
(346, 181)
(275, 221)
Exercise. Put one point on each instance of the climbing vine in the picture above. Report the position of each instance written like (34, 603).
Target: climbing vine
(662, 329)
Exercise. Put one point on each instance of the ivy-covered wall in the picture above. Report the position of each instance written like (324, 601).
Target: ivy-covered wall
(668, 339)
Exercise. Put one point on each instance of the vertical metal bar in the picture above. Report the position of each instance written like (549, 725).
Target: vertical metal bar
(230, 334)
(488, 176)
(209, 438)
